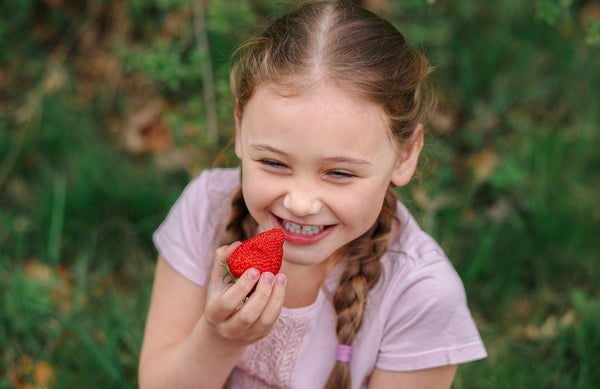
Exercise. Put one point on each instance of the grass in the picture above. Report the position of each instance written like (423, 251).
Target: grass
(510, 188)
(77, 258)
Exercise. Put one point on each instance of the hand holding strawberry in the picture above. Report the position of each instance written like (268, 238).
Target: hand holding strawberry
(227, 318)
(264, 252)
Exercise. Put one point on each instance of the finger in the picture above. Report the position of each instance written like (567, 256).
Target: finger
(261, 295)
(249, 312)
(228, 302)
(242, 287)
(273, 307)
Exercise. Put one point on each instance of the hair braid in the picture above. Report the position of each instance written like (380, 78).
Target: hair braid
(240, 225)
(363, 270)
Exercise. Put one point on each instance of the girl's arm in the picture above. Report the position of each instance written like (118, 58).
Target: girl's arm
(434, 378)
(194, 336)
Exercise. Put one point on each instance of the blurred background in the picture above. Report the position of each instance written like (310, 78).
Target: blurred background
(108, 108)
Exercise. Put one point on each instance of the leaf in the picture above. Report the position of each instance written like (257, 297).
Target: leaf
(589, 14)
(43, 374)
(145, 129)
(57, 284)
(483, 164)
(39, 271)
(28, 373)
(552, 11)
(157, 137)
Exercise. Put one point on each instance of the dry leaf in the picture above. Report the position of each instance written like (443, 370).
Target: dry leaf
(141, 123)
(483, 164)
(445, 117)
(43, 374)
(176, 22)
(39, 271)
(379, 6)
(590, 12)
(59, 283)
(55, 3)
(28, 373)
(157, 137)
(501, 210)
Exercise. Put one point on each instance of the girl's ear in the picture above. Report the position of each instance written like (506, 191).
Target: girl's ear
(407, 160)
(238, 125)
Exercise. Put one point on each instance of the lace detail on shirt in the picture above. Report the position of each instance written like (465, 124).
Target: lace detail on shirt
(270, 362)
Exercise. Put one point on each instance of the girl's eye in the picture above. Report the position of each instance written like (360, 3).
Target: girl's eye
(272, 163)
(341, 174)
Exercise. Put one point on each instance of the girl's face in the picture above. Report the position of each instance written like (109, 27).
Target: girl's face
(317, 165)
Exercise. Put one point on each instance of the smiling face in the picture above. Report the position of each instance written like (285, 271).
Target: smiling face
(317, 165)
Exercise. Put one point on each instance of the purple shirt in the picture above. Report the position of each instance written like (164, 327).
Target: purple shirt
(416, 315)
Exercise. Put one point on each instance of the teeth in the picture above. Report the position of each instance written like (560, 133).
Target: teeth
(304, 230)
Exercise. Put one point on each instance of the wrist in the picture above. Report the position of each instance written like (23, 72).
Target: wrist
(216, 342)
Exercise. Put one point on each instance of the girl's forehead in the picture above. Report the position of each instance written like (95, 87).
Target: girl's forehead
(324, 93)
(326, 90)
(324, 96)
(326, 117)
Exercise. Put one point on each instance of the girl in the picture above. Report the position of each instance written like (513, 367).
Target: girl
(328, 121)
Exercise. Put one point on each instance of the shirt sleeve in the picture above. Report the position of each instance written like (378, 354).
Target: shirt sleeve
(188, 237)
(428, 323)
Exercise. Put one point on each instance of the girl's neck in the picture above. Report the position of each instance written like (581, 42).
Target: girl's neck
(303, 283)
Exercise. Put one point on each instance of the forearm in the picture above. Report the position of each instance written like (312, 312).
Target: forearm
(202, 360)
(192, 344)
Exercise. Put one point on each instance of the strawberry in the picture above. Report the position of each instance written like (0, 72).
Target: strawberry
(264, 252)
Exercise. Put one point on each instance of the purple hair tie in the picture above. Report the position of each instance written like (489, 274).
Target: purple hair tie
(343, 353)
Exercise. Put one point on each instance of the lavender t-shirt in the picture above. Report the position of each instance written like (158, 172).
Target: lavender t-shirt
(416, 316)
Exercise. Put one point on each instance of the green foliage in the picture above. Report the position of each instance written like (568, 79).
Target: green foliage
(47, 317)
(165, 63)
(11, 27)
(75, 237)
(560, 353)
(593, 36)
(552, 11)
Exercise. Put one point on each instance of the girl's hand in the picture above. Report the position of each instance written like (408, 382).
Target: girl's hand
(233, 317)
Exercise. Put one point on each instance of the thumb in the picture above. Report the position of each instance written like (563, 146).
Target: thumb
(218, 270)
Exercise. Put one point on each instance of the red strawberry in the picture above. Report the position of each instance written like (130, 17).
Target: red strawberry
(264, 252)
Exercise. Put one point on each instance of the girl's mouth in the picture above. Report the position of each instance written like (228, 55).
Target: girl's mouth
(302, 234)
(298, 229)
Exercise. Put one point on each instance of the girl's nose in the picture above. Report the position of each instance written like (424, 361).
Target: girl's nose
(302, 200)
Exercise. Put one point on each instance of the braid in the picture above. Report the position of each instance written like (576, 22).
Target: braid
(240, 225)
(363, 270)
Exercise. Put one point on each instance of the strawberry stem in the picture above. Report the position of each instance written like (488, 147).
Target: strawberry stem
(228, 274)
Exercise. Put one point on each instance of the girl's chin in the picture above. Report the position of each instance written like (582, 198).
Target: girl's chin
(297, 257)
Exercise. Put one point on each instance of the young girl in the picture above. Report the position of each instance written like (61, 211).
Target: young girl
(328, 121)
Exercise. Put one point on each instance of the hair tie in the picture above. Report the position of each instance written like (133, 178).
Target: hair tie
(343, 353)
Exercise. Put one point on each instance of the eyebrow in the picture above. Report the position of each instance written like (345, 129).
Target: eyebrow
(263, 147)
(337, 159)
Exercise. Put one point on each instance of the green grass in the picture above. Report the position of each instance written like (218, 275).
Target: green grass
(510, 188)
(77, 258)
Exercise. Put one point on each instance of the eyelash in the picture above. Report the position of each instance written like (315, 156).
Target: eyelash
(336, 174)
(272, 163)
(341, 174)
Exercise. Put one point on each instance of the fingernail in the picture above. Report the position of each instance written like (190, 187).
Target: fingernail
(268, 278)
(253, 274)
(281, 279)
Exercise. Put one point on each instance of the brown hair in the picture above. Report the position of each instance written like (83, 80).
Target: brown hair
(365, 55)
